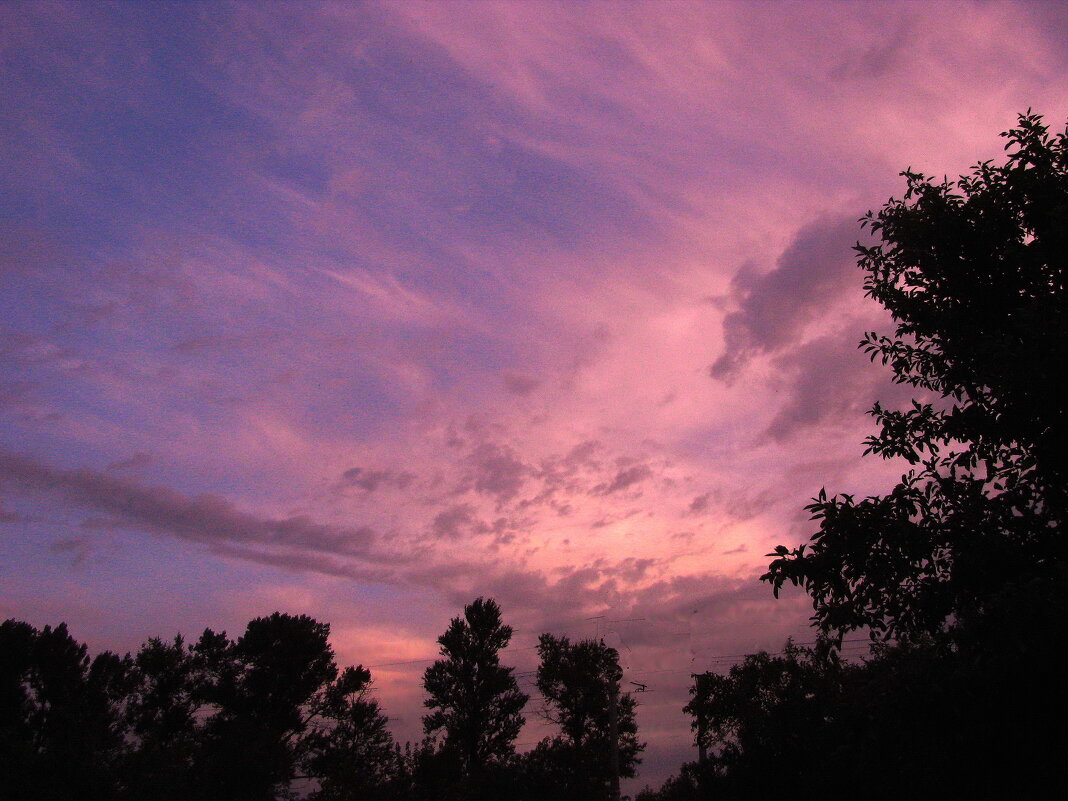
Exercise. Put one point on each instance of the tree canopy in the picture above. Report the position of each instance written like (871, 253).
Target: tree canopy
(221, 719)
(60, 713)
(269, 715)
(475, 701)
(958, 572)
(580, 682)
(973, 274)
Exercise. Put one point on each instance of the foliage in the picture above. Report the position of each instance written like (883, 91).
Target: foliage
(973, 273)
(355, 756)
(918, 719)
(476, 703)
(760, 721)
(60, 714)
(579, 682)
(222, 719)
(265, 688)
(960, 568)
(686, 786)
(161, 716)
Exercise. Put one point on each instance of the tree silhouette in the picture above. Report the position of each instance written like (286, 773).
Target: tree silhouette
(224, 719)
(973, 273)
(266, 687)
(60, 730)
(966, 555)
(580, 682)
(476, 702)
(354, 757)
(768, 723)
(161, 716)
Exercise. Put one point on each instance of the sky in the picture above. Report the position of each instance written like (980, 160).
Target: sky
(363, 311)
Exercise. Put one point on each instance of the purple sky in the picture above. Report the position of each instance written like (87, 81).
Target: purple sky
(363, 311)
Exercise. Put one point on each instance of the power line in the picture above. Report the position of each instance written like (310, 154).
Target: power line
(712, 658)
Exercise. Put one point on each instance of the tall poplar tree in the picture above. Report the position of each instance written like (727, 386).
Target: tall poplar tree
(580, 682)
(476, 703)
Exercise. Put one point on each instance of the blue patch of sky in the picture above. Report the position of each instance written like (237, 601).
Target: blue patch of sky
(434, 131)
(155, 145)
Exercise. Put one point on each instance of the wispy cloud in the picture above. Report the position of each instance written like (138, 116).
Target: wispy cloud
(204, 518)
(372, 309)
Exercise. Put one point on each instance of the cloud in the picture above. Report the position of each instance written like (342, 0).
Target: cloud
(78, 548)
(7, 516)
(519, 384)
(699, 505)
(134, 461)
(879, 58)
(828, 379)
(206, 518)
(624, 479)
(458, 521)
(773, 308)
(498, 471)
(370, 480)
(322, 564)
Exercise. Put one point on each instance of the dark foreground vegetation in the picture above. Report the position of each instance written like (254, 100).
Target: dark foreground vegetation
(270, 716)
(958, 573)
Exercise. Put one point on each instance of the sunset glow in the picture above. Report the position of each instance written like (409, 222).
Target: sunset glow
(365, 310)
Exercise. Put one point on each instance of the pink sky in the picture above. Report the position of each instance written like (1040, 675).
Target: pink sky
(363, 311)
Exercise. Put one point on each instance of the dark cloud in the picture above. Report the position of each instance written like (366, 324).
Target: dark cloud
(1049, 21)
(11, 517)
(699, 505)
(774, 307)
(304, 562)
(830, 380)
(459, 521)
(139, 459)
(498, 471)
(78, 548)
(625, 478)
(582, 454)
(633, 569)
(201, 518)
(520, 384)
(370, 480)
(560, 472)
(885, 56)
(202, 342)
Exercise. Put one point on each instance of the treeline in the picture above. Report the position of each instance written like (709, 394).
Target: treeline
(977, 715)
(269, 715)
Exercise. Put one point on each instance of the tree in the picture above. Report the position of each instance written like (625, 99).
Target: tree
(266, 688)
(973, 273)
(580, 682)
(221, 720)
(354, 757)
(161, 718)
(60, 713)
(765, 723)
(966, 555)
(476, 702)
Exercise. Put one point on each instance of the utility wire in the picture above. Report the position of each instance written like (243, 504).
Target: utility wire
(712, 658)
